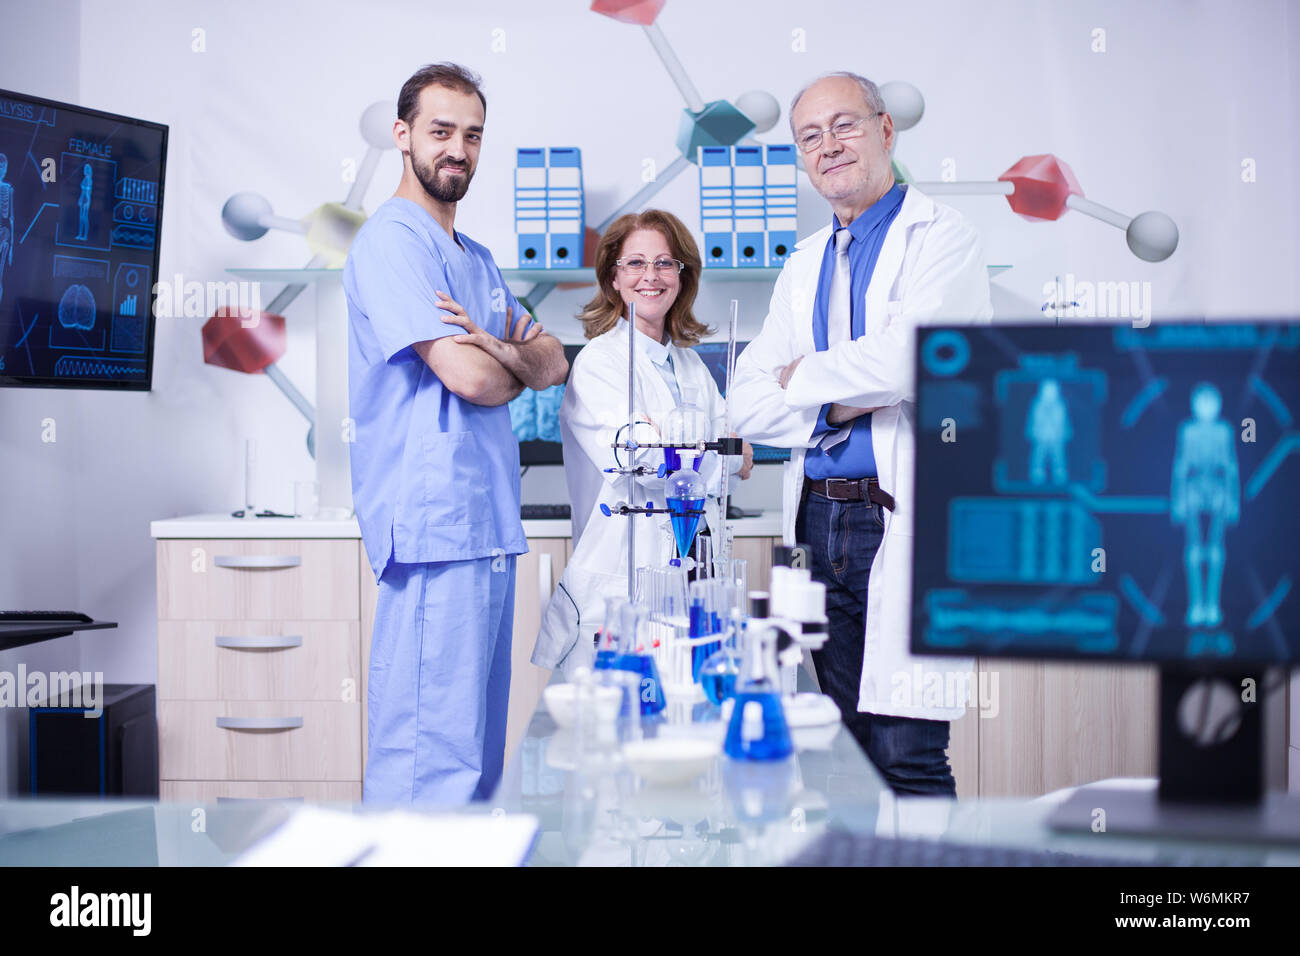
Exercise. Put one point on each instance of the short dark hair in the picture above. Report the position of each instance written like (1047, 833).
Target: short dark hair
(451, 75)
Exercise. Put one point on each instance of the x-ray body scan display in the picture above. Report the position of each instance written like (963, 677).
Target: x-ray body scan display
(80, 206)
(1108, 491)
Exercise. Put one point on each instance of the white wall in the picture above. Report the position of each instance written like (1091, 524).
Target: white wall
(1161, 120)
(40, 536)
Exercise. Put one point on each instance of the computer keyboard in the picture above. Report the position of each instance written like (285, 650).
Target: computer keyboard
(40, 617)
(542, 512)
(841, 848)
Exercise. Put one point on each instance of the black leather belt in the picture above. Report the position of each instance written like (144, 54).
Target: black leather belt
(852, 489)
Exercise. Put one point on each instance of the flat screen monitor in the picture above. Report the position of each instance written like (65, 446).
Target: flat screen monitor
(81, 195)
(1109, 492)
(535, 420)
(535, 416)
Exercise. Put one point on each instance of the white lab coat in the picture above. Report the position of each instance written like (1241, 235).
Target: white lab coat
(931, 269)
(593, 410)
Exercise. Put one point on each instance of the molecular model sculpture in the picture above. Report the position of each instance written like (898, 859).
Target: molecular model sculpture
(253, 343)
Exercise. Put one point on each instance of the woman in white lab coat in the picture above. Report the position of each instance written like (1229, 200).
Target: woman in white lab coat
(649, 259)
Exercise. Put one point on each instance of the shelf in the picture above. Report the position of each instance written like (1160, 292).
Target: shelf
(585, 276)
(588, 276)
(288, 276)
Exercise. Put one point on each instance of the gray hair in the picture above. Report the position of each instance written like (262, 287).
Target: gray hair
(870, 92)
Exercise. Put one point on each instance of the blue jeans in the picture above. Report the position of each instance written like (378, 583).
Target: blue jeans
(843, 537)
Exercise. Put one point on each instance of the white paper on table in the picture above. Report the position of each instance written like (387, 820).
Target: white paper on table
(317, 837)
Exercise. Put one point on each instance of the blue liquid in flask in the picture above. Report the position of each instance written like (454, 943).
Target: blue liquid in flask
(718, 687)
(703, 623)
(772, 739)
(651, 690)
(684, 524)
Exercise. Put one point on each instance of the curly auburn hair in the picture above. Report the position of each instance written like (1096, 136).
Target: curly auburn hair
(605, 309)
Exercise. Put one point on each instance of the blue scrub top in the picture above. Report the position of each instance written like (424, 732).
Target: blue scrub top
(434, 477)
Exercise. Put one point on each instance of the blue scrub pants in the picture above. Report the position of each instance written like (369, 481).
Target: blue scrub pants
(439, 681)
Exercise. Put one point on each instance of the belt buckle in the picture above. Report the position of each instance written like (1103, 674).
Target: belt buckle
(832, 482)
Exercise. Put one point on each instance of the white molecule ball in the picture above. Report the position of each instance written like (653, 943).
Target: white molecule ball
(761, 108)
(243, 213)
(377, 124)
(1152, 236)
(904, 103)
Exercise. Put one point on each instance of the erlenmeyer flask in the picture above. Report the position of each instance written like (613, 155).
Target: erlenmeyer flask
(607, 642)
(758, 729)
(721, 670)
(634, 655)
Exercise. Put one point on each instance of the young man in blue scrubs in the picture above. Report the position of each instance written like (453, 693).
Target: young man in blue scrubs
(437, 347)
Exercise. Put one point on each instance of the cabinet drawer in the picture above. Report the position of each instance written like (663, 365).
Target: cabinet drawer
(212, 791)
(259, 740)
(259, 660)
(264, 579)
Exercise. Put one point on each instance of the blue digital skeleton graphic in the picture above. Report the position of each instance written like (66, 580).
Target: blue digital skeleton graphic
(83, 202)
(1205, 497)
(6, 222)
(1047, 426)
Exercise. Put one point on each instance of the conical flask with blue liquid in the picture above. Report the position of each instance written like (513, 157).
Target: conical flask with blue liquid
(634, 654)
(607, 642)
(758, 729)
(721, 670)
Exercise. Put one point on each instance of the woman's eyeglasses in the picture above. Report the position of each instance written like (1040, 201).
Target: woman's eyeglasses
(636, 265)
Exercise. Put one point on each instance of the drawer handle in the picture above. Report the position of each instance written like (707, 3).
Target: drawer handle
(257, 560)
(259, 723)
(254, 640)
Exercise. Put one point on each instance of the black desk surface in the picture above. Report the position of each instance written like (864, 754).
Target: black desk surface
(18, 633)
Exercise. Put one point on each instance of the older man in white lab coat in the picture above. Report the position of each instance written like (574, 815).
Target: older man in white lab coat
(831, 376)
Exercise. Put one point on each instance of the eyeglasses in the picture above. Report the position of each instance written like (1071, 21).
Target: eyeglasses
(636, 265)
(844, 129)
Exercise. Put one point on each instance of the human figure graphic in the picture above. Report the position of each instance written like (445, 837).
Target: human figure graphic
(1205, 498)
(83, 202)
(6, 223)
(1047, 426)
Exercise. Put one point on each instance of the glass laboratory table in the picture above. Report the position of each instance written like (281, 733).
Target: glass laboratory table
(598, 812)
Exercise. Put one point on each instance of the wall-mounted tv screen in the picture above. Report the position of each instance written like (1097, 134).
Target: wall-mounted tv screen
(81, 196)
(535, 416)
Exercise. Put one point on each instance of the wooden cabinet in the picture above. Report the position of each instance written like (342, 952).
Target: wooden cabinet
(259, 667)
(1033, 728)
(536, 575)
(264, 653)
